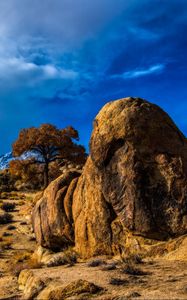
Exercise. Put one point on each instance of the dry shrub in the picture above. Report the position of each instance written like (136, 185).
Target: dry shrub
(11, 227)
(56, 261)
(5, 218)
(4, 195)
(7, 234)
(118, 281)
(130, 269)
(157, 250)
(133, 295)
(7, 181)
(7, 206)
(133, 259)
(29, 198)
(21, 257)
(69, 257)
(20, 203)
(109, 267)
(11, 196)
(23, 223)
(96, 262)
(6, 244)
(14, 194)
(27, 173)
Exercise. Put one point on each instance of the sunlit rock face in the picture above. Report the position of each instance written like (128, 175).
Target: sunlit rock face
(135, 179)
(133, 183)
(52, 214)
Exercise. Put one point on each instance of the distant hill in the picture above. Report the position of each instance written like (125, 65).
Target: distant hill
(6, 158)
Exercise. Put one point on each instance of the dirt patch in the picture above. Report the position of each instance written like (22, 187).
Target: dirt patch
(16, 243)
(158, 280)
(161, 278)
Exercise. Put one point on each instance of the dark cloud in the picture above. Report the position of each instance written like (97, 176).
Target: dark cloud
(61, 60)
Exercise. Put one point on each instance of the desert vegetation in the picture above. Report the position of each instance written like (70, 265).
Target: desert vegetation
(5, 218)
(7, 181)
(7, 206)
(49, 145)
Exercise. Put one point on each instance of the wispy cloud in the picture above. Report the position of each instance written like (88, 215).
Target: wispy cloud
(13, 69)
(156, 69)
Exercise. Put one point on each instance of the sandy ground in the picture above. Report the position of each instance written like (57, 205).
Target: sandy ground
(162, 279)
(16, 245)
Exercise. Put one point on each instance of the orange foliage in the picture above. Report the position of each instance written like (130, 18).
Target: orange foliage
(50, 144)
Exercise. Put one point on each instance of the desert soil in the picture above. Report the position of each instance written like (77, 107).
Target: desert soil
(162, 279)
(16, 246)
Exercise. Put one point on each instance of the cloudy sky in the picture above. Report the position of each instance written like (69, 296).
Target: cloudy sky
(61, 60)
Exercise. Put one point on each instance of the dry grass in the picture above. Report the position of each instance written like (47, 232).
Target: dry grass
(12, 195)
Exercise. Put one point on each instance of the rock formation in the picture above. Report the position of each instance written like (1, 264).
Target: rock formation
(134, 182)
(52, 215)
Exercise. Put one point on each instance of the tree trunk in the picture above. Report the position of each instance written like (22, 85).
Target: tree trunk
(46, 175)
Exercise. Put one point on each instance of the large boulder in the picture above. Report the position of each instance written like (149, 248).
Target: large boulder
(52, 215)
(135, 179)
(92, 215)
(133, 185)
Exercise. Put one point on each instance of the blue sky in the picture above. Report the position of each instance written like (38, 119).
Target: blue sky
(62, 60)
